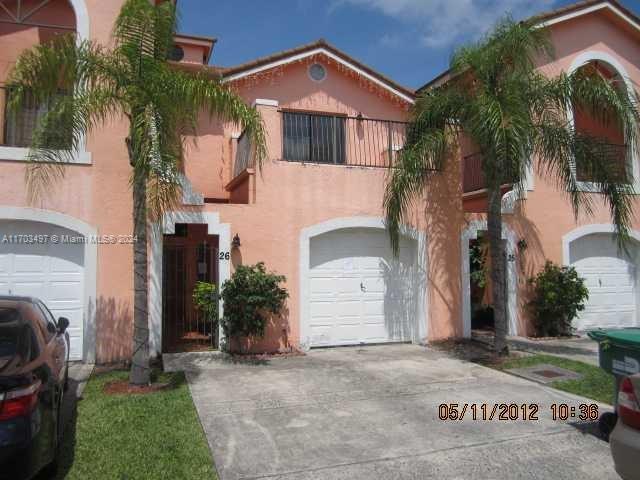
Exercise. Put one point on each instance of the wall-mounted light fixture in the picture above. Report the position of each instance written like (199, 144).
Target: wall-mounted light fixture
(522, 244)
(235, 243)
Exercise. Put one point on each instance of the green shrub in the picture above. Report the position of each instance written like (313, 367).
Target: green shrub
(250, 296)
(205, 299)
(559, 294)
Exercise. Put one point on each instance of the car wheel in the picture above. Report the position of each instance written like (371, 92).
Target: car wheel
(606, 424)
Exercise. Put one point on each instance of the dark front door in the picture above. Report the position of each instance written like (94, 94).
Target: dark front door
(189, 256)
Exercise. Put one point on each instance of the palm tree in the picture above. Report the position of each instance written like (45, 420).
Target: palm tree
(514, 114)
(161, 102)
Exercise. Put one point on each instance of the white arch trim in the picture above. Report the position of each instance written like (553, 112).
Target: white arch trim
(168, 226)
(585, 230)
(471, 233)
(83, 157)
(306, 234)
(90, 264)
(602, 56)
(82, 18)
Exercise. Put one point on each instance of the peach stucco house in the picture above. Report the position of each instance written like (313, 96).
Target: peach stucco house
(313, 212)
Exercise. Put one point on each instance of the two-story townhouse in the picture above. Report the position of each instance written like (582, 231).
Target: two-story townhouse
(312, 212)
(541, 226)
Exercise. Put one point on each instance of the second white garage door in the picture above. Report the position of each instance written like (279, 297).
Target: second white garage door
(52, 272)
(358, 292)
(611, 279)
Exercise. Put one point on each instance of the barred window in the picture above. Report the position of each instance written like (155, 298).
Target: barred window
(20, 126)
(314, 138)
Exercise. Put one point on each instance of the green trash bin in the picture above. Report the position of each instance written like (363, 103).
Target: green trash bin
(618, 354)
(619, 350)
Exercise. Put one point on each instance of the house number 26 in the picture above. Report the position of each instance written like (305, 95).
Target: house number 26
(224, 255)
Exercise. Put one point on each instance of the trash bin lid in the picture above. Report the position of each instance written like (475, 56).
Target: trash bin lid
(629, 337)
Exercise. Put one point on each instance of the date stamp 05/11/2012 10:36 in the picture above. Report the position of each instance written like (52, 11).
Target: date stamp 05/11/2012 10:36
(511, 412)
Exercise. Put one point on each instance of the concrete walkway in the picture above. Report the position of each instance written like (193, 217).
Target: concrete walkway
(582, 349)
(372, 413)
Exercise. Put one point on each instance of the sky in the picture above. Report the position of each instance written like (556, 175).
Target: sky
(410, 41)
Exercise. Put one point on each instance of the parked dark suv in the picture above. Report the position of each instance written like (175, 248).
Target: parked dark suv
(34, 355)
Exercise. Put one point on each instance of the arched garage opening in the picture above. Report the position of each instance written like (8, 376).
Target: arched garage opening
(56, 262)
(610, 274)
(355, 291)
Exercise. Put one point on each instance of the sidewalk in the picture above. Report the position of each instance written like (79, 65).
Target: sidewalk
(582, 349)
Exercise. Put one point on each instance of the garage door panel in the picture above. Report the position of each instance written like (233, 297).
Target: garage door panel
(347, 285)
(64, 291)
(59, 265)
(347, 308)
(28, 289)
(353, 269)
(611, 279)
(29, 264)
(373, 307)
(320, 286)
(54, 273)
(322, 309)
(5, 264)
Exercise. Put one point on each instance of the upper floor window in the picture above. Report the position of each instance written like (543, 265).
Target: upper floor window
(614, 149)
(20, 126)
(314, 138)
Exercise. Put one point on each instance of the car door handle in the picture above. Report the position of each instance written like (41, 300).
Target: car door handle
(363, 288)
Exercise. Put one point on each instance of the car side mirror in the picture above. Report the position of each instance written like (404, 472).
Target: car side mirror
(63, 324)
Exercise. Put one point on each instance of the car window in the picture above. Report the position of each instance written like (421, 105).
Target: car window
(17, 339)
(46, 322)
(48, 314)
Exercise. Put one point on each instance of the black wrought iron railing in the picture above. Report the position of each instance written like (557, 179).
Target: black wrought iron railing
(341, 140)
(473, 176)
(614, 156)
(245, 155)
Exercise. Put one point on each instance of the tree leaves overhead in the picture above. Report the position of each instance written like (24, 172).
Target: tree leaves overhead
(132, 79)
(514, 114)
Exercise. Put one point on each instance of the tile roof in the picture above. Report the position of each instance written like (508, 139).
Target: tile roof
(318, 44)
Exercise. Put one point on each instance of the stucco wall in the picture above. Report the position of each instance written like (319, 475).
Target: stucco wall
(546, 215)
(97, 194)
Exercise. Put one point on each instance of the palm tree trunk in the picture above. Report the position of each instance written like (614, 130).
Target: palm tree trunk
(140, 374)
(496, 250)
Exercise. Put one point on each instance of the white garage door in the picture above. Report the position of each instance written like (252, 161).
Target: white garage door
(358, 292)
(51, 272)
(611, 279)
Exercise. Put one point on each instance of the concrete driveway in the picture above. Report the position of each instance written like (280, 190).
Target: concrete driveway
(372, 413)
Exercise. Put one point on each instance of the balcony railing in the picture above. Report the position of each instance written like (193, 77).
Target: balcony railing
(341, 140)
(245, 157)
(615, 156)
(473, 176)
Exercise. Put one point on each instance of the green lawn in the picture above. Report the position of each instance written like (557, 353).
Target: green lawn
(126, 437)
(595, 382)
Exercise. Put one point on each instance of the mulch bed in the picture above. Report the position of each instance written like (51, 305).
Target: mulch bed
(123, 387)
(267, 356)
(541, 339)
(473, 350)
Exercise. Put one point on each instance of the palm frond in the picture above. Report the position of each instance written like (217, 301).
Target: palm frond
(201, 92)
(144, 33)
